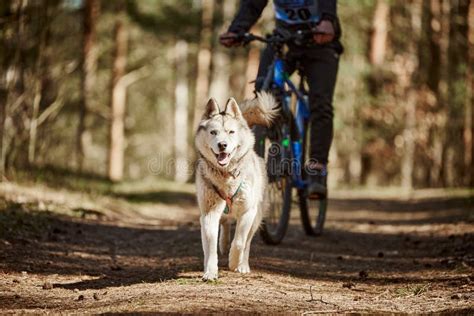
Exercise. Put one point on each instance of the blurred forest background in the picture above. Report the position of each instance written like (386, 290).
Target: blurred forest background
(114, 88)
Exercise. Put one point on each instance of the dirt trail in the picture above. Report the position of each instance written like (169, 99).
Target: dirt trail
(63, 251)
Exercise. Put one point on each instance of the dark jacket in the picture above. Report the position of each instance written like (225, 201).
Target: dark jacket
(251, 10)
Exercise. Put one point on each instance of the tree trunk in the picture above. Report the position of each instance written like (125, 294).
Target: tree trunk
(34, 120)
(221, 64)
(181, 113)
(408, 160)
(469, 121)
(439, 28)
(355, 172)
(411, 93)
(38, 90)
(89, 67)
(457, 57)
(4, 64)
(443, 90)
(378, 39)
(434, 30)
(15, 108)
(3, 117)
(204, 60)
(118, 105)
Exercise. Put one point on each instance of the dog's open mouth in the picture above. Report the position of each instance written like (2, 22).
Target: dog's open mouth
(223, 158)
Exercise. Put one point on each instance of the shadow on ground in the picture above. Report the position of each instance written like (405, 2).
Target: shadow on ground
(166, 197)
(119, 255)
(433, 204)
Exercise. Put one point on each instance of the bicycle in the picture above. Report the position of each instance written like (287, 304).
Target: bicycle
(284, 146)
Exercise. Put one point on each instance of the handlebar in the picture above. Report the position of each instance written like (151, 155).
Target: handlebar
(279, 38)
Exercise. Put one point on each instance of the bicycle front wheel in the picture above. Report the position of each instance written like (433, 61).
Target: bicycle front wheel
(279, 187)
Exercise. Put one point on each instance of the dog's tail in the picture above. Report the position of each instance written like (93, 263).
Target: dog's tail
(260, 111)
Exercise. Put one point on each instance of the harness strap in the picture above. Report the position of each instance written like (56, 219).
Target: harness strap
(228, 199)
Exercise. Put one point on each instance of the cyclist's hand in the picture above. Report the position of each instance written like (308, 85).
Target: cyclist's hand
(230, 39)
(325, 32)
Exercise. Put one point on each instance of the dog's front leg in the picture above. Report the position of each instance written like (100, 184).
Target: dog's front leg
(209, 233)
(237, 260)
(224, 236)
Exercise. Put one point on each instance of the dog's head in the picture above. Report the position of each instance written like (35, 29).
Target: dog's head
(223, 136)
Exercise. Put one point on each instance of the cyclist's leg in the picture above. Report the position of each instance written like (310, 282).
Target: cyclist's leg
(320, 69)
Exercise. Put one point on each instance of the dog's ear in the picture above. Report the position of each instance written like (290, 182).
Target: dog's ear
(212, 108)
(232, 108)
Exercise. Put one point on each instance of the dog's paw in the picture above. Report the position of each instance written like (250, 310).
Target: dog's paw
(233, 260)
(243, 268)
(210, 276)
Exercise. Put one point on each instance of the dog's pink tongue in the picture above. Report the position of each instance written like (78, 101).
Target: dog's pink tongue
(223, 158)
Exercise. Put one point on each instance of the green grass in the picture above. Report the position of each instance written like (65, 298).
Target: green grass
(187, 281)
(151, 190)
(62, 179)
(412, 290)
(196, 281)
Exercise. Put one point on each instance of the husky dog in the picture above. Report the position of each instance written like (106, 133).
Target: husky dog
(231, 179)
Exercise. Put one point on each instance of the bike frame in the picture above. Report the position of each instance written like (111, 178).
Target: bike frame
(288, 136)
(281, 79)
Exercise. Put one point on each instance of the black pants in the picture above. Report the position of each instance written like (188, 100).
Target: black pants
(319, 66)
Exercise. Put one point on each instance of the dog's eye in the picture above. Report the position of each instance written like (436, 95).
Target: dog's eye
(231, 132)
(213, 132)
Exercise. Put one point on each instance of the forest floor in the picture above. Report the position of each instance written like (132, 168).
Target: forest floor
(76, 247)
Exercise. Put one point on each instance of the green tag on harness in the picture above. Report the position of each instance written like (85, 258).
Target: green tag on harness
(228, 205)
(226, 209)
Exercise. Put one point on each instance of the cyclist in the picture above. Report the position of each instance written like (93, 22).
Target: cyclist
(317, 58)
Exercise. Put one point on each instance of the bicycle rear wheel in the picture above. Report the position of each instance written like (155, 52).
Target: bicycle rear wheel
(271, 146)
(313, 214)
(313, 210)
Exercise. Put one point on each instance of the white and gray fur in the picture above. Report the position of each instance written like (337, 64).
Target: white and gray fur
(224, 169)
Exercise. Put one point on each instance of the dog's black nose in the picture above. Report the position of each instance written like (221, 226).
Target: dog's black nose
(222, 146)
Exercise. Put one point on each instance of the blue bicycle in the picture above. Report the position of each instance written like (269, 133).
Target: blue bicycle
(284, 146)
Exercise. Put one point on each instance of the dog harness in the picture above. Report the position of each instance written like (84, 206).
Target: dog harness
(227, 198)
